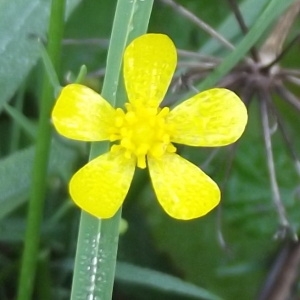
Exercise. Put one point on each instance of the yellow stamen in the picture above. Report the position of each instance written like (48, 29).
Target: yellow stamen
(142, 131)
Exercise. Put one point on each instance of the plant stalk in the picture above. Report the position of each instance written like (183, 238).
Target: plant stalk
(39, 175)
(97, 244)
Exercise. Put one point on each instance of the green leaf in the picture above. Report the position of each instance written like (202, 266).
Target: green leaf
(21, 21)
(136, 275)
(15, 174)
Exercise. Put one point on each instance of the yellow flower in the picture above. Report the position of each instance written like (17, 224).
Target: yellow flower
(143, 134)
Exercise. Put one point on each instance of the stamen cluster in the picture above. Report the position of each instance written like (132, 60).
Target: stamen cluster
(142, 131)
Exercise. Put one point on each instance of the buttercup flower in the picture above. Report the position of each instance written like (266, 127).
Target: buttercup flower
(143, 134)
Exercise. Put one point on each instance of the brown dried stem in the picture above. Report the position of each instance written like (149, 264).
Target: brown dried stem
(283, 221)
(197, 21)
(235, 8)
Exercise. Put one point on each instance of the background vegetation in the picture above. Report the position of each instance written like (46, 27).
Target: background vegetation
(228, 254)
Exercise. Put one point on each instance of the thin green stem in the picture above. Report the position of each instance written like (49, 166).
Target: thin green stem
(39, 176)
(20, 122)
(16, 129)
(51, 72)
(44, 283)
(98, 239)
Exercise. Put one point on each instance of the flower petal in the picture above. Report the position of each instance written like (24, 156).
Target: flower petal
(182, 189)
(149, 64)
(100, 187)
(82, 114)
(216, 117)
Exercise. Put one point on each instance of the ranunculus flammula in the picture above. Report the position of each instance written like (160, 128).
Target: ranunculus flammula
(143, 134)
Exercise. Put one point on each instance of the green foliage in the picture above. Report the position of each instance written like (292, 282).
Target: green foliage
(21, 23)
(16, 169)
(159, 258)
(138, 276)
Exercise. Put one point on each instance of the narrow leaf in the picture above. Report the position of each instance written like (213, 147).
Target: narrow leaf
(136, 275)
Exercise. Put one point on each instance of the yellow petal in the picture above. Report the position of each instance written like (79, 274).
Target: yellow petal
(182, 189)
(149, 64)
(82, 114)
(100, 187)
(216, 117)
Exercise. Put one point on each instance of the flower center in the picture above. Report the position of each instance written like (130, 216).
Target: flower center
(142, 131)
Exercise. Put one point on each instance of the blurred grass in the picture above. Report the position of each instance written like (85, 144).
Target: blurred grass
(188, 250)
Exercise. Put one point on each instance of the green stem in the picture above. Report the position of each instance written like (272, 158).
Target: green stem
(44, 284)
(39, 176)
(97, 245)
(16, 129)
